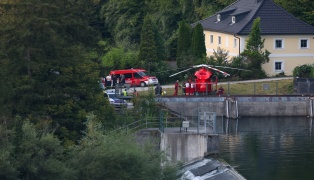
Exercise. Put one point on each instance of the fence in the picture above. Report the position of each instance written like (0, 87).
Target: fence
(267, 87)
(245, 88)
(304, 86)
(200, 121)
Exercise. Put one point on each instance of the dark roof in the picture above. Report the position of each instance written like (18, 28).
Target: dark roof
(274, 19)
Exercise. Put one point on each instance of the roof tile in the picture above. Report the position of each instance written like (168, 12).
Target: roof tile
(274, 19)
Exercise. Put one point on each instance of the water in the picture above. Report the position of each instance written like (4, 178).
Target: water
(277, 148)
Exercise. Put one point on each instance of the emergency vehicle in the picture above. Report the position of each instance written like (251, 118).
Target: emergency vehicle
(135, 77)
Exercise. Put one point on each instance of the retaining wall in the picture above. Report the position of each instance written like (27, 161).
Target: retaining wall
(188, 147)
(238, 106)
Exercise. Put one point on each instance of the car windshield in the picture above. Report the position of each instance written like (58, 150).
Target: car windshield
(112, 95)
(141, 73)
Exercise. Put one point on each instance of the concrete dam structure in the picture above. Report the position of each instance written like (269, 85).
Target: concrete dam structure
(242, 106)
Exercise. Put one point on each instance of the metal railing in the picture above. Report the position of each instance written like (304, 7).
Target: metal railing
(202, 122)
(242, 88)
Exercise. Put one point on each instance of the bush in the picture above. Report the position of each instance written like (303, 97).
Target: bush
(303, 71)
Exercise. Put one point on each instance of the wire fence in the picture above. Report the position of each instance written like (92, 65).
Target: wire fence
(275, 87)
(200, 121)
(253, 88)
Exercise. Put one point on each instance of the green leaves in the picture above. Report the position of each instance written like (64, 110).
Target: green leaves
(198, 42)
(304, 71)
(46, 47)
(254, 53)
(148, 54)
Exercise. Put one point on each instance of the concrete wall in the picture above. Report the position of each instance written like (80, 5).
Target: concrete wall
(188, 147)
(180, 147)
(246, 106)
(187, 106)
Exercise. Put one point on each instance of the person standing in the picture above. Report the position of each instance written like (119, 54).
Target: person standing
(220, 91)
(114, 80)
(122, 80)
(108, 81)
(176, 88)
(125, 93)
(158, 90)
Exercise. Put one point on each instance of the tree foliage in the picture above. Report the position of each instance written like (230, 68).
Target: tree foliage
(27, 152)
(304, 71)
(302, 9)
(221, 55)
(198, 42)
(47, 59)
(254, 53)
(184, 43)
(148, 48)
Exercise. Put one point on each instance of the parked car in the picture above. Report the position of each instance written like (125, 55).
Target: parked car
(114, 99)
(135, 77)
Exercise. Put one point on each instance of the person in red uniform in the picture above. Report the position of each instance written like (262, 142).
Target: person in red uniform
(220, 91)
(176, 88)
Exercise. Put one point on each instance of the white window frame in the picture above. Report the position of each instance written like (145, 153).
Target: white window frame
(227, 41)
(211, 39)
(282, 66)
(233, 19)
(218, 17)
(235, 43)
(307, 43)
(219, 40)
(282, 43)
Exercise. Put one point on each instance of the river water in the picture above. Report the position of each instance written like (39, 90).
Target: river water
(276, 148)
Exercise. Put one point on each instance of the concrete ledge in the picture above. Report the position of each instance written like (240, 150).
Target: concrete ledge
(261, 106)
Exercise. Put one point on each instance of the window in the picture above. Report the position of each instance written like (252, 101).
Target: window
(128, 75)
(278, 66)
(137, 76)
(227, 41)
(278, 44)
(235, 43)
(219, 40)
(233, 19)
(304, 43)
(211, 39)
(218, 17)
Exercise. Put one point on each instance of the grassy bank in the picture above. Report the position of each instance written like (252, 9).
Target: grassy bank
(280, 87)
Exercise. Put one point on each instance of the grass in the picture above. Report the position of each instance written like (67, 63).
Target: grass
(280, 87)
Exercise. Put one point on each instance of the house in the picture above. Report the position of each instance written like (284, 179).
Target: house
(289, 40)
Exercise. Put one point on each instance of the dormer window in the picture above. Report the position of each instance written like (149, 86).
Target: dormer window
(218, 17)
(233, 19)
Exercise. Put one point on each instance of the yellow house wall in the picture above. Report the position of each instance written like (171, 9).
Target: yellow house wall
(227, 43)
(291, 55)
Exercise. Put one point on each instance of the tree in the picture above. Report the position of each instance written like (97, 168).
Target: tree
(184, 43)
(124, 18)
(148, 48)
(198, 42)
(303, 71)
(302, 9)
(116, 155)
(221, 56)
(41, 155)
(254, 54)
(160, 44)
(47, 56)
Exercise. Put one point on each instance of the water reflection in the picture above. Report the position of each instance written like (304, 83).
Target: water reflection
(268, 148)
